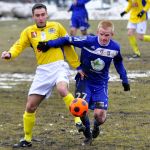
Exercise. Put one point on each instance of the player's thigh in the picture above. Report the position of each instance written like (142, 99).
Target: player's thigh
(141, 27)
(100, 97)
(45, 79)
(62, 88)
(62, 81)
(74, 23)
(83, 24)
(131, 28)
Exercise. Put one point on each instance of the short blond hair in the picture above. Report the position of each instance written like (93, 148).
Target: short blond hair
(106, 24)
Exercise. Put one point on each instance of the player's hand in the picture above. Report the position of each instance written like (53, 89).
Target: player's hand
(141, 14)
(80, 71)
(5, 55)
(43, 46)
(126, 86)
(123, 13)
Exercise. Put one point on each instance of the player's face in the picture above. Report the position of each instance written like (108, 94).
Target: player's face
(40, 17)
(104, 35)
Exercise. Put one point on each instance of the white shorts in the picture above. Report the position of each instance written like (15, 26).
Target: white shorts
(47, 76)
(139, 27)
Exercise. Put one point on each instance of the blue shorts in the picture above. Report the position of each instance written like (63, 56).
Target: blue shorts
(95, 94)
(80, 23)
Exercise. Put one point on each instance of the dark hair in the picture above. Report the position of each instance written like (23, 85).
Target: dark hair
(38, 6)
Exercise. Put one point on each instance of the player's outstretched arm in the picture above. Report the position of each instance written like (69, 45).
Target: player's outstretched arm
(45, 46)
(5, 55)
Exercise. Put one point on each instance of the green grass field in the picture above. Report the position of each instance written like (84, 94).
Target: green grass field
(128, 121)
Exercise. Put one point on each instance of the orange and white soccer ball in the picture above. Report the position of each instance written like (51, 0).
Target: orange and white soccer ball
(78, 107)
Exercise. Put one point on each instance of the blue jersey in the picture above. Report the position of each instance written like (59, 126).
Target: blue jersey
(95, 58)
(79, 18)
(79, 9)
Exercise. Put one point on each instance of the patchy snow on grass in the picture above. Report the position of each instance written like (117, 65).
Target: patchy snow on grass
(8, 80)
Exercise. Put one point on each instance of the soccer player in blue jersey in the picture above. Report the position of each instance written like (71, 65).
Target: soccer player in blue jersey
(137, 23)
(97, 53)
(79, 18)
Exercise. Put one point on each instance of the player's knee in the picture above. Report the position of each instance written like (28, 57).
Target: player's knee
(30, 107)
(73, 31)
(62, 90)
(140, 37)
(130, 34)
(84, 32)
(100, 116)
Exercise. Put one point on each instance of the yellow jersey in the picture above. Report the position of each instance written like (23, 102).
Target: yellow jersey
(135, 7)
(32, 35)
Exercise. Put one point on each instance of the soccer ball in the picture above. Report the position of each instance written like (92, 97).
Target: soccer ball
(78, 107)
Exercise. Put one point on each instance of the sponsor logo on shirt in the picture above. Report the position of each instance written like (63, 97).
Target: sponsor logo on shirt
(103, 52)
(98, 64)
(33, 34)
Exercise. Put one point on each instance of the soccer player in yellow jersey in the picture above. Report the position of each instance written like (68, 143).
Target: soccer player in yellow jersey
(51, 67)
(137, 23)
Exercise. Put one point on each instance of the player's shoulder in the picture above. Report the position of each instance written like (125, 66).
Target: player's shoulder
(29, 28)
(53, 23)
(91, 36)
(115, 43)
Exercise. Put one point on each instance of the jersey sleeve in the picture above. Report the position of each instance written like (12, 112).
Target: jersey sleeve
(118, 63)
(147, 6)
(69, 51)
(82, 2)
(20, 44)
(129, 6)
(77, 41)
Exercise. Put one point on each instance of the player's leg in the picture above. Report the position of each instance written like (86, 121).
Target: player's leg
(29, 118)
(132, 38)
(41, 88)
(62, 88)
(100, 99)
(73, 31)
(73, 26)
(141, 30)
(84, 32)
(99, 119)
(62, 84)
(84, 25)
(82, 91)
(87, 132)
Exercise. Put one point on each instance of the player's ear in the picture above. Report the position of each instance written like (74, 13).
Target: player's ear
(112, 33)
(47, 15)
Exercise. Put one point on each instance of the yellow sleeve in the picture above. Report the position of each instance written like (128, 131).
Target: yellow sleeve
(129, 6)
(69, 51)
(147, 6)
(20, 44)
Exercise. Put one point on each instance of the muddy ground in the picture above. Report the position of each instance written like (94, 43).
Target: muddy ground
(128, 122)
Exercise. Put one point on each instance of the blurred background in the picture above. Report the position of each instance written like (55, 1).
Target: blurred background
(57, 9)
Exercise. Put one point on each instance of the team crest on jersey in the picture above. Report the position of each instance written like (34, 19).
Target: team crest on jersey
(51, 30)
(33, 34)
(98, 64)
